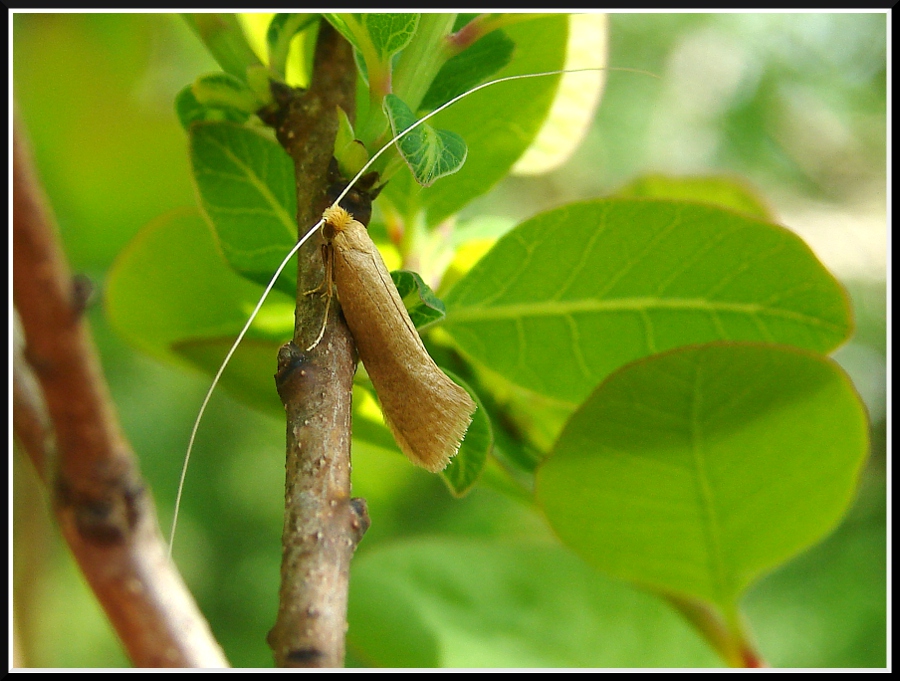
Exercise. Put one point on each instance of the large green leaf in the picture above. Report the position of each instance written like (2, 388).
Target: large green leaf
(170, 285)
(696, 471)
(450, 603)
(245, 182)
(497, 123)
(572, 294)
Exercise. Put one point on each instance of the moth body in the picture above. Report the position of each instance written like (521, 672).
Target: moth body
(427, 413)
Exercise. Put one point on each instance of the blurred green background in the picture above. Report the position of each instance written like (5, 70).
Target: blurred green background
(793, 103)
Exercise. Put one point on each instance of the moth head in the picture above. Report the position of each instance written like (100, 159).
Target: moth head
(336, 221)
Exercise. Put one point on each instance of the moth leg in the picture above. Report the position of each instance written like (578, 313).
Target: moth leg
(326, 288)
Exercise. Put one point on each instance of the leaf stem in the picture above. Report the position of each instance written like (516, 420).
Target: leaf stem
(726, 633)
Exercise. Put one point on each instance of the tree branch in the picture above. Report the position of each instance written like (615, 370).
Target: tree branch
(322, 524)
(101, 503)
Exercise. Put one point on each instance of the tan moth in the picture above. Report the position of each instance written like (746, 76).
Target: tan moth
(427, 413)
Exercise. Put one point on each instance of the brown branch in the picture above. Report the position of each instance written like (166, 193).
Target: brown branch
(322, 524)
(101, 503)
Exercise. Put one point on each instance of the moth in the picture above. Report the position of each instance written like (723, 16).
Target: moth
(427, 413)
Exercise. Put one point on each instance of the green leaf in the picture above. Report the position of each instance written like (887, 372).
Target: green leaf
(466, 467)
(429, 153)
(422, 305)
(349, 152)
(189, 110)
(282, 30)
(576, 100)
(725, 192)
(455, 603)
(245, 182)
(224, 38)
(469, 68)
(390, 33)
(223, 90)
(570, 295)
(170, 285)
(497, 123)
(416, 67)
(696, 471)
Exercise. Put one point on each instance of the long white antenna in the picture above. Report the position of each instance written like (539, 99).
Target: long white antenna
(312, 229)
(237, 341)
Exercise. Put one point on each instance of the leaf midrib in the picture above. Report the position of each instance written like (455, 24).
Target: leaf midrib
(636, 304)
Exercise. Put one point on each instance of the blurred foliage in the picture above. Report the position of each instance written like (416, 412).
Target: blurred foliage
(795, 103)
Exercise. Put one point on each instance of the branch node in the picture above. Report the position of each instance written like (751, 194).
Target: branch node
(360, 520)
(82, 293)
(294, 369)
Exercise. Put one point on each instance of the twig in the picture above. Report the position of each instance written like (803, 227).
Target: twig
(101, 503)
(322, 524)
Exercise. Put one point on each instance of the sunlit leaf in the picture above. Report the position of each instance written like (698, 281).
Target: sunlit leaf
(572, 294)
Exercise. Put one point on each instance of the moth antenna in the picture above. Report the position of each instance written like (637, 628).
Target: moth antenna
(215, 382)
